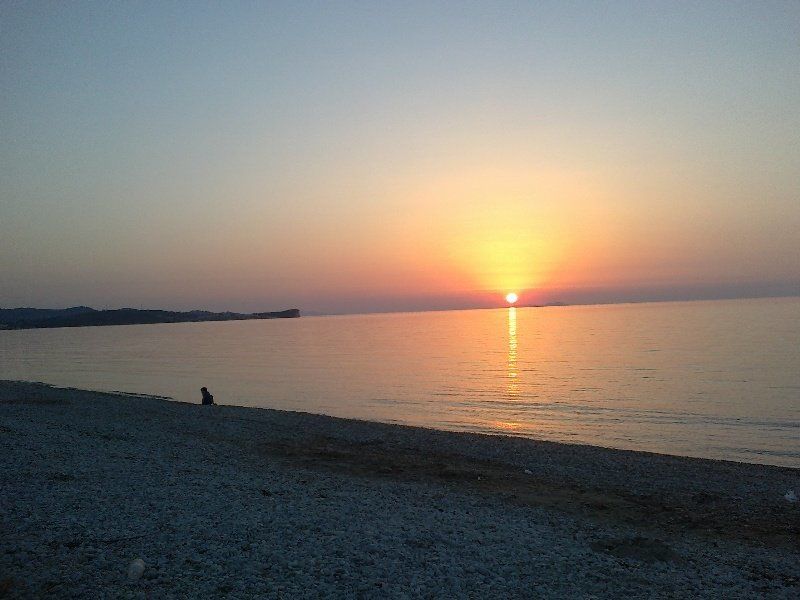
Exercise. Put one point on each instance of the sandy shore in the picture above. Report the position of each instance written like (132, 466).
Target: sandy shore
(240, 502)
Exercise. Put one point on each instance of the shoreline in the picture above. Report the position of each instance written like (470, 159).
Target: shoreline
(597, 521)
(578, 446)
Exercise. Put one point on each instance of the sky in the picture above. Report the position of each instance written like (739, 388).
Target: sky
(369, 156)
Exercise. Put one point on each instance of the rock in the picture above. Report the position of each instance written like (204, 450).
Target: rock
(135, 569)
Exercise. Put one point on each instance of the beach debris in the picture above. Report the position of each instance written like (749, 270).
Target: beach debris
(790, 496)
(135, 569)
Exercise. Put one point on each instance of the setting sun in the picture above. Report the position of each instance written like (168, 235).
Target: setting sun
(511, 298)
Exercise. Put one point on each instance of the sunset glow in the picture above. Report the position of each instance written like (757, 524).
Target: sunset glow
(335, 168)
(533, 242)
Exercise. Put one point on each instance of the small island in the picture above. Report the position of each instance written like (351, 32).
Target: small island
(84, 316)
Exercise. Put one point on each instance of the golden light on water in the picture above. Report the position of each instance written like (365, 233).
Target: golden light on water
(513, 383)
(511, 298)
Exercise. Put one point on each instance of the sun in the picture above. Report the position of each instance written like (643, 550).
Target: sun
(511, 298)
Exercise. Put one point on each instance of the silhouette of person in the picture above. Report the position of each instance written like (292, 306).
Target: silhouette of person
(207, 397)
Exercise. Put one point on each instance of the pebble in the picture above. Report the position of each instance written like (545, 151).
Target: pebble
(184, 494)
(135, 570)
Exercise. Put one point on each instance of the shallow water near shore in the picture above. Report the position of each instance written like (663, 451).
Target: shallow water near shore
(714, 379)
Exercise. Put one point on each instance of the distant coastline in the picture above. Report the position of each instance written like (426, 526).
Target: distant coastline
(84, 316)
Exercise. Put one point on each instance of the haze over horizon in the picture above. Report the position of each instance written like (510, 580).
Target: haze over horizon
(359, 157)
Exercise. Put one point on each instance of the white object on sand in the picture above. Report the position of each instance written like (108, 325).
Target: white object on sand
(135, 569)
(791, 496)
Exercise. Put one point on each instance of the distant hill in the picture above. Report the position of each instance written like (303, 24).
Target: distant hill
(12, 315)
(83, 316)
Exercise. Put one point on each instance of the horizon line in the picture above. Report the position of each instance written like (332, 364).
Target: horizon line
(554, 304)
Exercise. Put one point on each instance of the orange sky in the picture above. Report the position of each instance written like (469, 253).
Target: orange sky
(408, 157)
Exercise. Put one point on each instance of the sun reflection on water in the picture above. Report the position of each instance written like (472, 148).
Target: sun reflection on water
(513, 379)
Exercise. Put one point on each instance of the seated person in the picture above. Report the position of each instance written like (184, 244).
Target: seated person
(207, 397)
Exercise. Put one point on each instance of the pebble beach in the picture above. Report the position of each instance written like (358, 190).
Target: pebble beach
(113, 495)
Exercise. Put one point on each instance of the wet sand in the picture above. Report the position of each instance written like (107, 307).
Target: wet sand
(237, 502)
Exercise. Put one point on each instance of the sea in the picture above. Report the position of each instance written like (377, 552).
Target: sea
(711, 379)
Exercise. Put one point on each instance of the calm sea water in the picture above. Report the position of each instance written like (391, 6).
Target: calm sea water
(711, 379)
